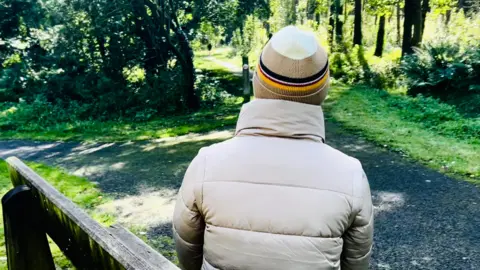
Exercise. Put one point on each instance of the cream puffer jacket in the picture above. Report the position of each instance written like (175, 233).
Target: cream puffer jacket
(274, 197)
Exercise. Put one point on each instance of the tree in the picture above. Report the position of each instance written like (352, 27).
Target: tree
(312, 9)
(331, 24)
(338, 22)
(425, 9)
(158, 20)
(292, 12)
(469, 6)
(417, 23)
(244, 40)
(413, 19)
(380, 37)
(380, 9)
(398, 10)
(357, 32)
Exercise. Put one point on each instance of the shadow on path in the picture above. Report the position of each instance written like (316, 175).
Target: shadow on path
(424, 220)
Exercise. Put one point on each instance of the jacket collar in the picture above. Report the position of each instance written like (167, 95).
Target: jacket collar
(279, 118)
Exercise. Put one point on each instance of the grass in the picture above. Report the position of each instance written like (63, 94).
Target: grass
(225, 55)
(202, 61)
(419, 128)
(82, 192)
(375, 115)
(171, 126)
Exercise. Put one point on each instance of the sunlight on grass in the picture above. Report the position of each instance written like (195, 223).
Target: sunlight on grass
(370, 112)
(222, 55)
(171, 126)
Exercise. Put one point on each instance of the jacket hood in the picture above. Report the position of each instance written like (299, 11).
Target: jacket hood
(279, 118)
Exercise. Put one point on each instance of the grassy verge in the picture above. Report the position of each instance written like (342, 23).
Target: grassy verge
(423, 129)
(222, 55)
(171, 126)
(79, 190)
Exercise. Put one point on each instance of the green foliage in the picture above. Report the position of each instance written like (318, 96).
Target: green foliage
(104, 56)
(125, 130)
(207, 34)
(39, 113)
(443, 69)
(416, 127)
(442, 6)
(287, 12)
(437, 116)
(214, 91)
(354, 65)
(250, 36)
(381, 7)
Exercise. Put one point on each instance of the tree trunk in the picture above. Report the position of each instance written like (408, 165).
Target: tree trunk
(413, 17)
(292, 13)
(101, 48)
(338, 22)
(192, 100)
(448, 15)
(417, 24)
(331, 23)
(407, 27)
(311, 9)
(425, 9)
(267, 27)
(357, 33)
(153, 57)
(380, 37)
(399, 35)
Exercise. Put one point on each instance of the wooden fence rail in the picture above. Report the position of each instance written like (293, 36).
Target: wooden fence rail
(34, 209)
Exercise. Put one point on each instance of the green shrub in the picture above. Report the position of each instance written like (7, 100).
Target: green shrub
(39, 114)
(212, 92)
(354, 65)
(443, 69)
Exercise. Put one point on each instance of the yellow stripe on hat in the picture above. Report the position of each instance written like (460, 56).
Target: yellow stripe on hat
(272, 83)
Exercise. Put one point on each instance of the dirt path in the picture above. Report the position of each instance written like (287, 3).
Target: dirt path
(424, 220)
(234, 69)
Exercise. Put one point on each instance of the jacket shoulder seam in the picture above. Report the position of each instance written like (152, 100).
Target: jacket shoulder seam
(284, 234)
(282, 185)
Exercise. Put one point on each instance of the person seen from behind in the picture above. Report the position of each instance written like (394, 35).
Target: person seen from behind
(276, 196)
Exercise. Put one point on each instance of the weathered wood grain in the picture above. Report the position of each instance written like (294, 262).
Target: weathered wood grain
(25, 239)
(83, 240)
(140, 248)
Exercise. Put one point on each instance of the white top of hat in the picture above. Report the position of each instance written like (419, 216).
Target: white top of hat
(294, 43)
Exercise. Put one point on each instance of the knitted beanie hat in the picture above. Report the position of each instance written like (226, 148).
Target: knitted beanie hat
(292, 67)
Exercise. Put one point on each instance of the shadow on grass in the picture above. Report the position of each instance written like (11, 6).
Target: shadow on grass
(419, 212)
(121, 169)
(232, 83)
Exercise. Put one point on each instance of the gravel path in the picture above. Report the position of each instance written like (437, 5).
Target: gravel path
(424, 220)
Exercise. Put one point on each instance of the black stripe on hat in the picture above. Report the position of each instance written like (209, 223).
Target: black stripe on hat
(311, 79)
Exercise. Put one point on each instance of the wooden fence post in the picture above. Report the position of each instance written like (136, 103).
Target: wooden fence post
(25, 238)
(246, 79)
